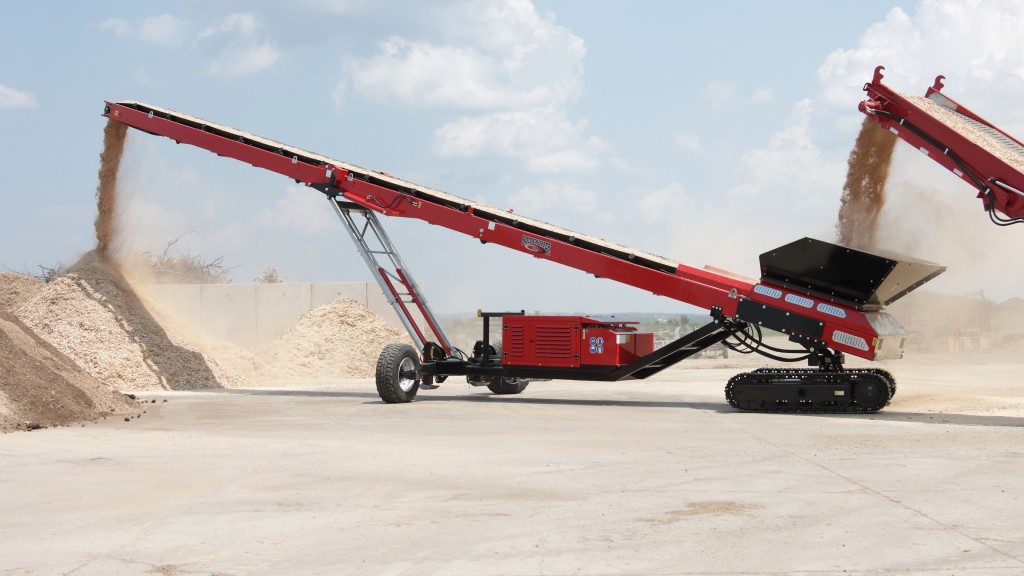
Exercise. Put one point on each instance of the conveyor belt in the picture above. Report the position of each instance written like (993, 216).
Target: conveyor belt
(984, 136)
(436, 196)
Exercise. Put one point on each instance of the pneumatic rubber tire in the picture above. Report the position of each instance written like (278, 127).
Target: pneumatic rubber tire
(507, 386)
(502, 385)
(397, 381)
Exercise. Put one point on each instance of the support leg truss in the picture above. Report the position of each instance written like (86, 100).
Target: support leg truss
(394, 278)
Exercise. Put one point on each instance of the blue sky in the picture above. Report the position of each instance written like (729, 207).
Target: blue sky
(706, 132)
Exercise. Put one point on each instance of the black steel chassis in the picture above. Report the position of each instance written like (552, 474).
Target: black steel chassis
(487, 366)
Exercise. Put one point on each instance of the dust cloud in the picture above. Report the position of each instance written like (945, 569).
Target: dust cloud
(931, 215)
(896, 200)
(974, 306)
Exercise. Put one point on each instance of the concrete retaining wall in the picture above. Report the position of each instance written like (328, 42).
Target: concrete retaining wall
(252, 315)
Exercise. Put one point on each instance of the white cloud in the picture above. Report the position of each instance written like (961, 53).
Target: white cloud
(541, 198)
(720, 94)
(566, 160)
(543, 138)
(666, 204)
(562, 198)
(164, 29)
(621, 164)
(118, 26)
(501, 55)
(785, 190)
(792, 165)
(939, 38)
(12, 98)
(336, 6)
(339, 94)
(245, 60)
(301, 210)
(241, 23)
(509, 72)
(424, 75)
(690, 143)
(236, 46)
(142, 76)
(762, 95)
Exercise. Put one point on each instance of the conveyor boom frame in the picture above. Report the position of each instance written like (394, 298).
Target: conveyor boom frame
(809, 315)
(970, 147)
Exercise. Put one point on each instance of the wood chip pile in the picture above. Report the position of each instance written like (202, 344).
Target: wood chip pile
(341, 339)
(41, 387)
(92, 315)
(16, 289)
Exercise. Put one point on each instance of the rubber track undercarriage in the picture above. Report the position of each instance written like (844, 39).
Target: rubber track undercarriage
(810, 390)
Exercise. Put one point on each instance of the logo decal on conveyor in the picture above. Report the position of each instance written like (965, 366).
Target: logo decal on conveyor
(536, 245)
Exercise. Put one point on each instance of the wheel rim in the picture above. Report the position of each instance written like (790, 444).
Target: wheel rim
(407, 374)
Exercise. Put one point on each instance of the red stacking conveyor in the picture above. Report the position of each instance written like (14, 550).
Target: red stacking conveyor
(827, 299)
(826, 304)
(971, 147)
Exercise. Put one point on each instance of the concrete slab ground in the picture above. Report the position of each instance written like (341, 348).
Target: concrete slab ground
(657, 477)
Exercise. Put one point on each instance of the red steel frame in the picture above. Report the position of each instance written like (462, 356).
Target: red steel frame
(704, 288)
(945, 145)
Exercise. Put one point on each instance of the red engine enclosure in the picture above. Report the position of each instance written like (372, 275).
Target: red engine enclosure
(572, 341)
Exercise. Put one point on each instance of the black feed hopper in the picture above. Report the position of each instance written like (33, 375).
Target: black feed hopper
(864, 279)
